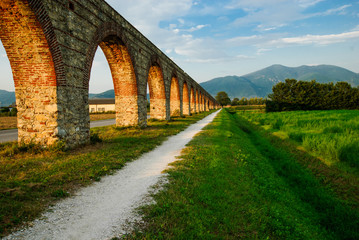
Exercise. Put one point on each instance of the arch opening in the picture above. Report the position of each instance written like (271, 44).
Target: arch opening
(33, 72)
(124, 80)
(175, 97)
(157, 92)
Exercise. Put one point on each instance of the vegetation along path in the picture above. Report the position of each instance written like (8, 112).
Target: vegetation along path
(101, 210)
(235, 180)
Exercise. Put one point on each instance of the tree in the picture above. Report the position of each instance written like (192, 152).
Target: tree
(235, 102)
(301, 95)
(223, 99)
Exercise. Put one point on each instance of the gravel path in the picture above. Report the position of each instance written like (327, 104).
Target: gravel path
(102, 210)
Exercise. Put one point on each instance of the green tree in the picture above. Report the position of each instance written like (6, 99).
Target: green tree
(235, 102)
(223, 99)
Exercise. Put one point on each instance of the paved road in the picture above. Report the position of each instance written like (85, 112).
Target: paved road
(11, 134)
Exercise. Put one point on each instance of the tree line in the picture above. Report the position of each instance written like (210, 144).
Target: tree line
(301, 95)
(224, 100)
(8, 112)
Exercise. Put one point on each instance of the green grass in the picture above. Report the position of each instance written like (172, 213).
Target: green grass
(330, 135)
(233, 183)
(31, 178)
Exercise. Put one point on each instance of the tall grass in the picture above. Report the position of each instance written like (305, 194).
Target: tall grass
(331, 135)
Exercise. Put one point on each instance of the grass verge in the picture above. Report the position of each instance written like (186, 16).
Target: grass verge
(11, 122)
(8, 123)
(232, 183)
(31, 178)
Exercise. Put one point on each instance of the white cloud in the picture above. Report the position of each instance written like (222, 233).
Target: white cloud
(267, 15)
(316, 39)
(146, 15)
(181, 21)
(260, 51)
(339, 10)
(192, 29)
(308, 3)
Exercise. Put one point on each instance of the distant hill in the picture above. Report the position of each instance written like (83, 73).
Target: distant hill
(107, 94)
(6, 98)
(260, 83)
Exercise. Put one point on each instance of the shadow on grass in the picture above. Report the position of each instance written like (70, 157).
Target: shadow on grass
(334, 214)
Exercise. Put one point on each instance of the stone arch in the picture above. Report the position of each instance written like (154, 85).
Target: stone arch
(185, 97)
(193, 101)
(109, 37)
(156, 87)
(175, 97)
(36, 63)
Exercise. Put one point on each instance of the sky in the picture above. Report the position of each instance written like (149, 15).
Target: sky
(216, 38)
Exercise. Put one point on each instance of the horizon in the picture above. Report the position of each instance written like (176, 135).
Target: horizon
(231, 75)
(235, 37)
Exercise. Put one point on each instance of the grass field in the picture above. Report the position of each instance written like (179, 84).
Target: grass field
(234, 181)
(8, 122)
(31, 178)
(11, 122)
(332, 136)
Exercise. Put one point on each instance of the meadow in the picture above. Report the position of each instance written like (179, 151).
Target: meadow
(332, 136)
(237, 180)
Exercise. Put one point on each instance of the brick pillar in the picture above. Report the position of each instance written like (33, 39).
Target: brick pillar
(193, 101)
(33, 72)
(197, 102)
(175, 98)
(157, 93)
(185, 97)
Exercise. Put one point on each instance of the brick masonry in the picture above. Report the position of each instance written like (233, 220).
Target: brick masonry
(51, 45)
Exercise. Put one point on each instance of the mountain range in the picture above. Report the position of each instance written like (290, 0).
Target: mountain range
(6, 98)
(260, 83)
(256, 84)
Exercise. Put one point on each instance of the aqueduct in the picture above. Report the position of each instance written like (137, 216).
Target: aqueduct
(51, 46)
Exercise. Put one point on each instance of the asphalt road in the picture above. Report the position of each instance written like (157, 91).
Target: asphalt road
(11, 134)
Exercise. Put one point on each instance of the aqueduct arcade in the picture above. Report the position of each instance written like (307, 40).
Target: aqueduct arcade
(51, 46)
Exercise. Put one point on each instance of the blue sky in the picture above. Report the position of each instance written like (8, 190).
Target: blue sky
(209, 38)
